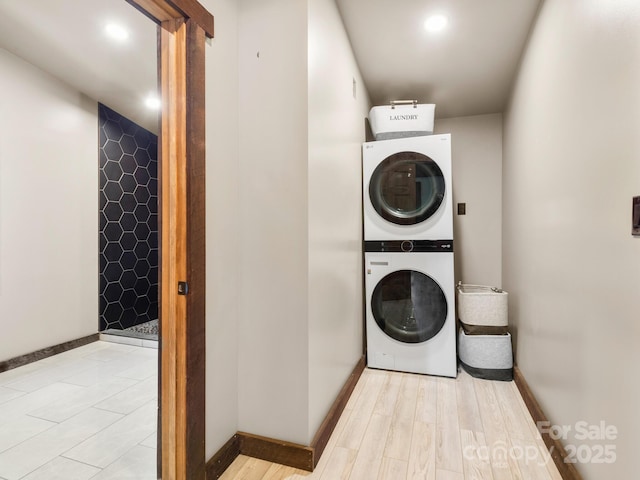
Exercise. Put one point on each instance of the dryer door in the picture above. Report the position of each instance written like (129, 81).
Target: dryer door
(407, 188)
(409, 306)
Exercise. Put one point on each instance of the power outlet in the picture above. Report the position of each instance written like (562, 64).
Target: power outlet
(462, 209)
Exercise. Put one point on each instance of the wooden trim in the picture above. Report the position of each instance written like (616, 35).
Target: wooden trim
(286, 453)
(567, 470)
(323, 434)
(276, 451)
(46, 352)
(223, 458)
(184, 24)
(194, 342)
(163, 10)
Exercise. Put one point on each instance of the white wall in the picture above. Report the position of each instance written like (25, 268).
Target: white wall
(476, 149)
(571, 166)
(336, 133)
(273, 324)
(223, 195)
(48, 210)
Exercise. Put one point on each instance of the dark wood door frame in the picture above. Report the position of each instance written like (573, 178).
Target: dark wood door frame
(183, 28)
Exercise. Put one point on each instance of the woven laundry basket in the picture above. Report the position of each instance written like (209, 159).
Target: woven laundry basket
(486, 356)
(482, 310)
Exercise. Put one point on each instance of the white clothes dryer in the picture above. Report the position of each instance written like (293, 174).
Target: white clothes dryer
(407, 189)
(410, 309)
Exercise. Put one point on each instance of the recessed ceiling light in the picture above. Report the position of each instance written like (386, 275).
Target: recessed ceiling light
(152, 102)
(436, 23)
(117, 32)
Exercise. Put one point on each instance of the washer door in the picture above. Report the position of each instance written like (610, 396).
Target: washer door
(407, 188)
(409, 306)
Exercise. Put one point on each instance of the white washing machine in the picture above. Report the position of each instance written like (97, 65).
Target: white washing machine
(410, 310)
(407, 189)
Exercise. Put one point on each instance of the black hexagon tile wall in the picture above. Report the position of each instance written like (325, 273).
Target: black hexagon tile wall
(128, 222)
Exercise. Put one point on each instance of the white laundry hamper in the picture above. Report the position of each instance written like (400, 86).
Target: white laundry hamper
(402, 119)
(482, 310)
(486, 356)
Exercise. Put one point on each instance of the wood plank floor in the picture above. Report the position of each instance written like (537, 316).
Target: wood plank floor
(400, 426)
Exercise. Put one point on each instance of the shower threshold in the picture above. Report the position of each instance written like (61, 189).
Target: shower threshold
(145, 333)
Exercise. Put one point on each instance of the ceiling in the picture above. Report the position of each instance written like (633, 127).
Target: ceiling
(67, 39)
(467, 69)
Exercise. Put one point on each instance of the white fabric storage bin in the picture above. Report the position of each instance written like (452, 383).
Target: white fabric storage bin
(486, 356)
(483, 309)
(402, 119)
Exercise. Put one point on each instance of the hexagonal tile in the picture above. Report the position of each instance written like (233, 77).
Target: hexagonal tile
(142, 231)
(102, 200)
(128, 127)
(113, 312)
(141, 249)
(152, 258)
(112, 292)
(112, 170)
(153, 167)
(128, 221)
(142, 175)
(153, 204)
(103, 178)
(128, 144)
(142, 286)
(142, 138)
(128, 279)
(128, 260)
(102, 221)
(128, 241)
(152, 276)
(102, 282)
(113, 191)
(128, 163)
(153, 240)
(128, 202)
(142, 213)
(142, 157)
(128, 183)
(113, 251)
(102, 139)
(153, 223)
(141, 305)
(112, 131)
(142, 269)
(142, 194)
(113, 211)
(112, 150)
(128, 298)
(128, 318)
(113, 231)
(113, 271)
(103, 260)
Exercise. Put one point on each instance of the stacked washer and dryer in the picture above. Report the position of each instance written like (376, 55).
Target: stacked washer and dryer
(408, 253)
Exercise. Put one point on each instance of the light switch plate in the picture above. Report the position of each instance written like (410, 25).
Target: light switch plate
(635, 217)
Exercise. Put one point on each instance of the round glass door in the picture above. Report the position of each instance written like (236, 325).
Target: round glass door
(407, 188)
(409, 306)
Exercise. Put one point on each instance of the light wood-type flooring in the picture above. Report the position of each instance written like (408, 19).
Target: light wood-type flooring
(400, 426)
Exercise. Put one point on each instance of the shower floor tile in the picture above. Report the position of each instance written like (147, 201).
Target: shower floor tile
(86, 413)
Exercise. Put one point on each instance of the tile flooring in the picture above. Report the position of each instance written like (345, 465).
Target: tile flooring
(89, 413)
